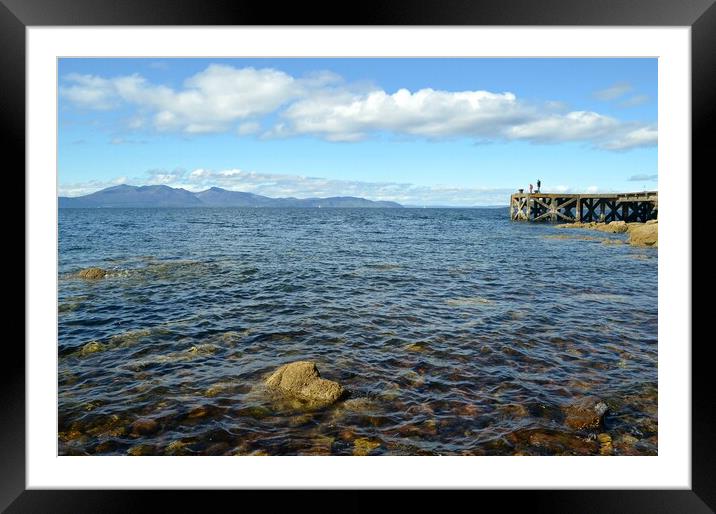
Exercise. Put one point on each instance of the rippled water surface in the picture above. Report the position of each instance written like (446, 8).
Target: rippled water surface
(455, 332)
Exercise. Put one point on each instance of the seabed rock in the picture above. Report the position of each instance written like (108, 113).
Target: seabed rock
(361, 405)
(177, 447)
(91, 347)
(144, 426)
(142, 449)
(363, 446)
(588, 412)
(605, 444)
(301, 380)
(92, 273)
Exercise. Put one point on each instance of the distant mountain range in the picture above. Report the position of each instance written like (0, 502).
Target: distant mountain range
(165, 196)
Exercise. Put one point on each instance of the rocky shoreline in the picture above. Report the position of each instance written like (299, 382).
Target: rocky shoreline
(640, 234)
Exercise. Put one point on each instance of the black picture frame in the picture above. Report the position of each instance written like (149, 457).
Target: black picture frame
(700, 15)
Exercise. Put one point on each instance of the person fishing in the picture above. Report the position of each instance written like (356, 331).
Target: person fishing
(539, 184)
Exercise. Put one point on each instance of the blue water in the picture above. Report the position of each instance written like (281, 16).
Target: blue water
(456, 331)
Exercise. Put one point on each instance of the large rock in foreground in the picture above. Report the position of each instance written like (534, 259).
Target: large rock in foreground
(301, 380)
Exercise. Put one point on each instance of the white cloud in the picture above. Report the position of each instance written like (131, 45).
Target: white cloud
(198, 173)
(231, 173)
(644, 177)
(634, 101)
(84, 188)
(636, 138)
(250, 127)
(162, 177)
(137, 122)
(573, 126)
(222, 98)
(90, 92)
(345, 116)
(124, 141)
(211, 101)
(613, 92)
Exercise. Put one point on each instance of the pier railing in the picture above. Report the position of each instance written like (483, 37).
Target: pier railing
(566, 208)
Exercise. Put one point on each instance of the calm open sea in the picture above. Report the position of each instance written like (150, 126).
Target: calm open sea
(456, 331)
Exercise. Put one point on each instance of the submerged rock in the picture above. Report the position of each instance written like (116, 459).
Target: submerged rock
(220, 388)
(176, 448)
(420, 347)
(198, 412)
(558, 443)
(219, 448)
(92, 273)
(203, 349)
(91, 347)
(256, 412)
(588, 412)
(363, 446)
(142, 449)
(513, 410)
(605, 444)
(301, 380)
(144, 427)
(105, 447)
(361, 404)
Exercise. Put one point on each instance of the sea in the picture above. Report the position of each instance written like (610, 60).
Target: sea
(453, 331)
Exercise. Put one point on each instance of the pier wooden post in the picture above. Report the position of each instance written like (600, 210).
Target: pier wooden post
(528, 207)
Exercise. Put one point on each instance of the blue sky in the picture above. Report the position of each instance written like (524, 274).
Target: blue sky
(417, 131)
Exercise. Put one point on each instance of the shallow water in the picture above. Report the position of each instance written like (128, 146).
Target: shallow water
(456, 332)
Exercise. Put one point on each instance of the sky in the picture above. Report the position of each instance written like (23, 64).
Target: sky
(453, 132)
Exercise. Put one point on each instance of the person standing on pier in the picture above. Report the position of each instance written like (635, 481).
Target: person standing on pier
(530, 188)
(539, 184)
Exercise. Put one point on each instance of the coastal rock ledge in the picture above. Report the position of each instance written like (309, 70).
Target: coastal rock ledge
(644, 235)
(301, 380)
(640, 234)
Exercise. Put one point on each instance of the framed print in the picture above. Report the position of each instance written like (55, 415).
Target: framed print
(257, 252)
